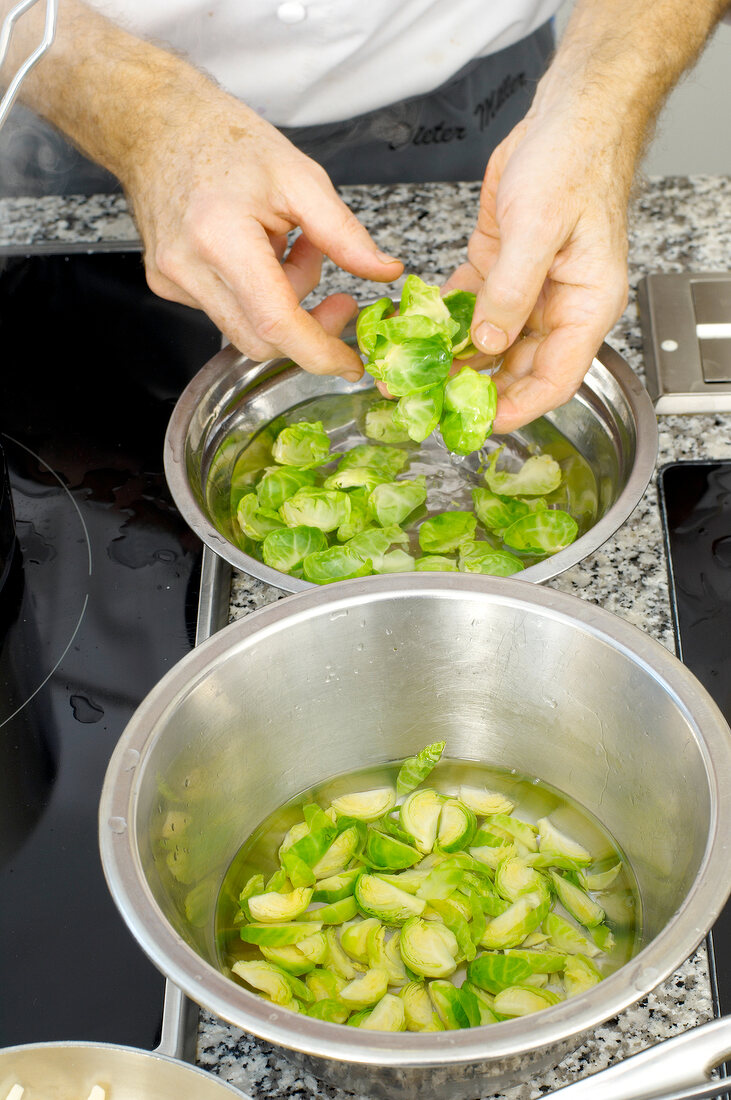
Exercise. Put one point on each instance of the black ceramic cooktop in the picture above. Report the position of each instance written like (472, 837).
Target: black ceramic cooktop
(98, 600)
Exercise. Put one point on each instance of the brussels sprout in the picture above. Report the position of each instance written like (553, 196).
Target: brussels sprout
(415, 769)
(364, 990)
(419, 815)
(480, 557)
(580, 974)
(336, 564)
(374, 543)
(441, 881)
(544, 961)
(365, 805)
(337, 960)
(396, 561)
(521, 917)
(255, 885)
(279, 935)
(337, 886)
(393, 501)
(542, 532)
(417, 414)
(484, 802)
(552, 840)
(456, 913)
(385, 954)
(368, 319)
(477, 1004)
(279, 483)
(470, 404)
(386, 853)
(576, 902)
(311, 507)
(429, 948)
(313, 947)
(521, 1000)
(446, 1000)
(255, 521)
(328, 1009)
(337, 911)
(324, 985)
(339, 854)
(355, 477)
(288, 958)
(513, 877)
(278, 883)
(378, 897)
(268, 979)
(603, 937)
(565, 937)
(402, 328)
(521, 830)
(297, 832)
(447, 531)
(354, 938)
(418, 1008)
(494, 971)
(275, 908)
(435, 563)
(538, 476)
(457, 826)
(425, 300)
(461, 306)
(491, 855)
(360, 515)
(304, 444)
(387, 460)
(287, 547)
(602, 880)
(387, 1015)
(416, 365)
(381, 423)
(497, 513)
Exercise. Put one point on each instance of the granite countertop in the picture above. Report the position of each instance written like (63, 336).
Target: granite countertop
(678, 224)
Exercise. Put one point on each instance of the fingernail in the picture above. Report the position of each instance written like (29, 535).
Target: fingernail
(490, 338)
(385, 258)
(352, 377)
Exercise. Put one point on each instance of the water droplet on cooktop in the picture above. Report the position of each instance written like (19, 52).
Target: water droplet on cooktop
(721, 550)
(84, 710)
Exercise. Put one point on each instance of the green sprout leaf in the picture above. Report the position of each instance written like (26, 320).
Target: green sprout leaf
(538, 476)
(393, 501)
(415, 769)
(480, 557)
(305, 444)
(542, 532)
(446, 531)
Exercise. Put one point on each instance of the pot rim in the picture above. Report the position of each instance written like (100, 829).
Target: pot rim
(212, 378)
(553, 1026)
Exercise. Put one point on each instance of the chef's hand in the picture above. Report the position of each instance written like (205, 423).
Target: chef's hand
(214, 201)
(547, 261)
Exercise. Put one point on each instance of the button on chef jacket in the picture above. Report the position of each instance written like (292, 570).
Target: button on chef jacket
(305, 62)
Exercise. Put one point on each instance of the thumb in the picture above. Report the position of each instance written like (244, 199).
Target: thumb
(510, 290)
(336, 231)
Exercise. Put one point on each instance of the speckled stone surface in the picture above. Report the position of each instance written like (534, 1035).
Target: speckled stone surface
(677, 225)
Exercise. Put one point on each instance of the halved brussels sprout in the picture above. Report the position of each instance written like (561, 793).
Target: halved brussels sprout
(484, 802)
(396, 561)
(337, 912)
(446, 1000)
(336, 564)
(368, 319)
(328, 1009)
(441, 881)
(279, 935)
(312, 507)
(337, 886)
(272, 908)
(544, 961)
(364, 990)
(598, 881)
(457, 825)
(580, 974)
(553, 840)
(286, 548)
(385, 954)
(289, 958)
(313, 947)
(380, 898)
(387, 1015)
(256, 522)
(522, 1000)
(538, 476)
(305, 444)
(354, 938)
(542, 532)
(576, 902)
(513, 877)
(267, 978)
(456, 913)
(513, 827)
(415, 769)
(324, 984)
(394, 501)
(521, 917)
(446, 531)
(417, 414)
(386, 853)
(419, 815)
(478, 1005)
(480, 557)
(490, 854)
(565, 937)
(365, 805)
(381, 423)
(435, 563)
(494, 971)
(470, 404)
(279, 483)
(603, 937)
(429, 948)
(337, 960)
(418, 1008)
(338, 855)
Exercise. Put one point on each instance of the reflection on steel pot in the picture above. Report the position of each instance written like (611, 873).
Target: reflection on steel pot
(609, 428)
(369, 671)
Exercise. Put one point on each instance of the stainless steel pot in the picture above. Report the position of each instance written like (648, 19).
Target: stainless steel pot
(369, 671)
(610, 422)
(70, 1070)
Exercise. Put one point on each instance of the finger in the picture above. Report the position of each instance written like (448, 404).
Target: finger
(303, 266)
(334, 228)
(334, 312)
(279, 242)
(168, 289)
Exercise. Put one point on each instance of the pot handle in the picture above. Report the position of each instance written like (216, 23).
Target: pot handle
(677, 1069)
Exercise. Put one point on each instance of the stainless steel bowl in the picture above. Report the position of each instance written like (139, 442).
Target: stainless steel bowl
(610, 422)
(68, 1071)
(369, 671)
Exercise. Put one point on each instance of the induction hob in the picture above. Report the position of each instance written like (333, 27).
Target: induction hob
(98, 601)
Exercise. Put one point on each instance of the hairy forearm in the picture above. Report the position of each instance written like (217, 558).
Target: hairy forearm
(113, 94)
(618, 60)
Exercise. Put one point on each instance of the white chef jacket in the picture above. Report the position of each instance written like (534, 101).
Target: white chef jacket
(306, 62)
